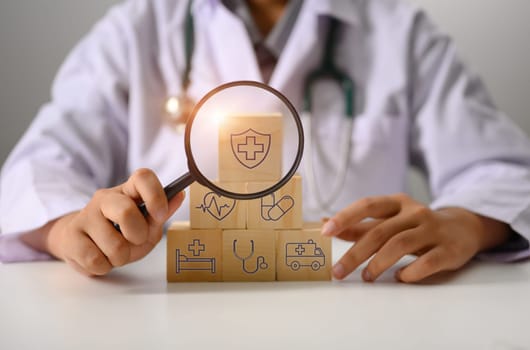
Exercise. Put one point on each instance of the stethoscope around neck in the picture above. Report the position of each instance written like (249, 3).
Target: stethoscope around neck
(178, 109)
(328, 70)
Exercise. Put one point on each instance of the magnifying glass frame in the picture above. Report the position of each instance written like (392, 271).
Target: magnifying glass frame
(195, 174)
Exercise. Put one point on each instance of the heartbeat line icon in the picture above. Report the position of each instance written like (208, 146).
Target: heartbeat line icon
(217, 206)
(213, 204)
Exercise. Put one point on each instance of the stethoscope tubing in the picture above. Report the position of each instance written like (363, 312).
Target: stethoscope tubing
(334, 189)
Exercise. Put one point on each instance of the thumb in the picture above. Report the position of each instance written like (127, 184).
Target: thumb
(175, 203)
(155, 230)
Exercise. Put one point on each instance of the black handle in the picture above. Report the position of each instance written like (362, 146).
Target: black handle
(171, 191)
(178, 186)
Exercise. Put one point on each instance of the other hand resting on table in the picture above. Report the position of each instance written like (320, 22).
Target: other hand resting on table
(443, 240)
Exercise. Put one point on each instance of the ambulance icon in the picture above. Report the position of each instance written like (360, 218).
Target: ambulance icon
(308, 254)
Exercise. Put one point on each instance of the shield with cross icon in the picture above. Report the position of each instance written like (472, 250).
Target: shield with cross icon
(250, 147)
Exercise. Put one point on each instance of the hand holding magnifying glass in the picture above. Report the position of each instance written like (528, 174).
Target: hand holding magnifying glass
(86, 239)
(202, 138)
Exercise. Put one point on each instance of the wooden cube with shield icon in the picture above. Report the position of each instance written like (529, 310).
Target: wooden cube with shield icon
(250, 148)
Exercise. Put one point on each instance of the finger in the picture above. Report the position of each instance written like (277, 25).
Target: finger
(87, 255)
(77, 267)
(156, 228)
(426, 265)
(123, 211)
(404, 243)
(156, 231)
(175, 203)
(357, 231)
(109, 241)
(373, 207)
(140, 251)
(144, 185)
(369, 244)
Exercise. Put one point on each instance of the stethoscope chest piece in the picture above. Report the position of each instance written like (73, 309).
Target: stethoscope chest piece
(178, 109)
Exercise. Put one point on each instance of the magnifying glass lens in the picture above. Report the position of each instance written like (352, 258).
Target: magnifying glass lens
(245, 139)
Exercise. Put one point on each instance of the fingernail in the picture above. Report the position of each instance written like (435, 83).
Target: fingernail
(329, 228)
(397, 275)
(339, 271)
(367, 276)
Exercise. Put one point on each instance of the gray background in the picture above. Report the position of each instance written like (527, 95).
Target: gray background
(493, 36)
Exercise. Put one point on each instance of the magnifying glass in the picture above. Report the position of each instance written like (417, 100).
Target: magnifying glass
(242, 131)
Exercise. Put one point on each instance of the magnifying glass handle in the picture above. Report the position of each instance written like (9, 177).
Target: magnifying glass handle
(171, 191)
(178, 186)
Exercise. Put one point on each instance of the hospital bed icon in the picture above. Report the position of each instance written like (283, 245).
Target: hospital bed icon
(185, 263)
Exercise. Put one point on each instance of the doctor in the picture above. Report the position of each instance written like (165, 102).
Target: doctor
(417, 104)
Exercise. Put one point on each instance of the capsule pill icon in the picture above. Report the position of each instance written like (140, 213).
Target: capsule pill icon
(274, 211)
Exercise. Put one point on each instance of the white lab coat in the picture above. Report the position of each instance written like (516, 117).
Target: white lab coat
(418, 104)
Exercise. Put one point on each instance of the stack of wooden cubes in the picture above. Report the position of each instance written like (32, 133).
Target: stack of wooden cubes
(253, 240)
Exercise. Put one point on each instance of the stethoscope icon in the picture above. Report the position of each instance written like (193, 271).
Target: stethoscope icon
(260, 261)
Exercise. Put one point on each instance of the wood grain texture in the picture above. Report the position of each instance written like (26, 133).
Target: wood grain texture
(280, 210)
(249, 255)
(303, 255)
(250, 148)
(193, 255)
(210, 210)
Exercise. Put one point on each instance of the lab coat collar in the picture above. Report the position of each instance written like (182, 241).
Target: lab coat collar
(344, 10)
(304, 35)
(230, 42)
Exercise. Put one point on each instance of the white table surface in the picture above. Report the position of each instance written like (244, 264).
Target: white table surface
(49, 306)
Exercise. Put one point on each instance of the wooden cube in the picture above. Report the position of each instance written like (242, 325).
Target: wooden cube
(193, 255)
(309, 225)
(280, 210)
(249, 255)
(303, 255)
(250, 148)
(211, 210)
